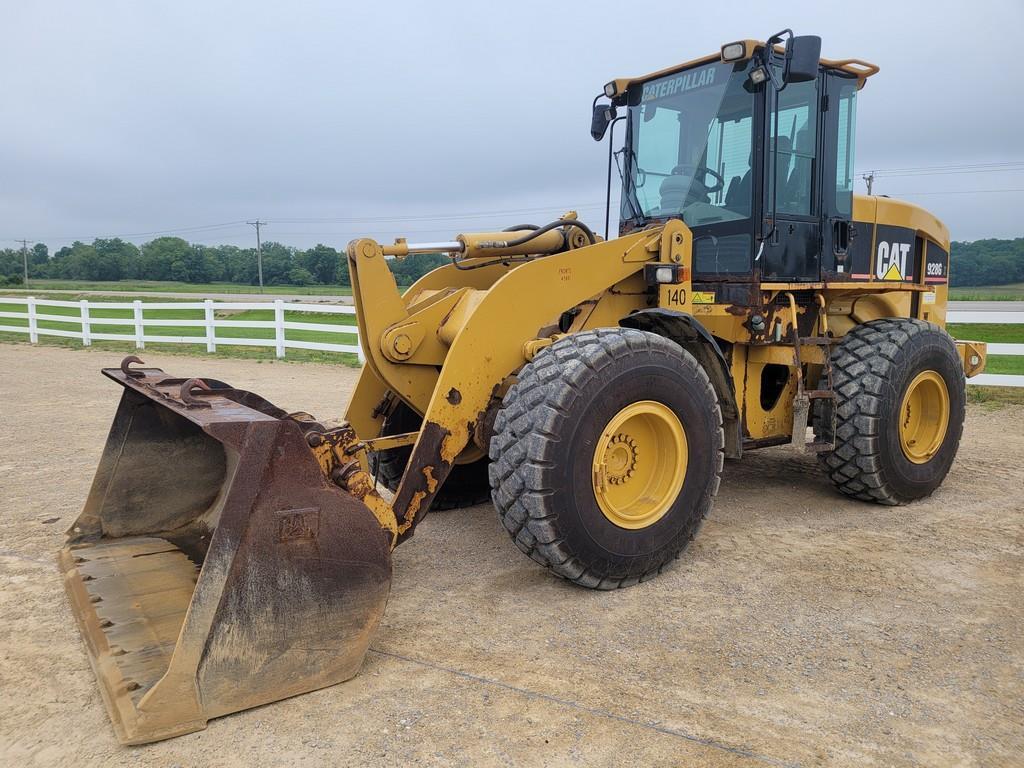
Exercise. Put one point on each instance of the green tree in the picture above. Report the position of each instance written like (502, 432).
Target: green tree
(323, 262)
(410, 269)
(158, 256)
(120, 259)
(301, 276)
(278, 261)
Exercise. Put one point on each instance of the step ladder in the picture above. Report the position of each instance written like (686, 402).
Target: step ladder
(803, 398)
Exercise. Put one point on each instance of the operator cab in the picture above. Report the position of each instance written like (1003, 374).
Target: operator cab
(752, 149)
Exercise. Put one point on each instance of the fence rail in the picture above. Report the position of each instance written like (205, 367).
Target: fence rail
(136, 319)
(134, 316)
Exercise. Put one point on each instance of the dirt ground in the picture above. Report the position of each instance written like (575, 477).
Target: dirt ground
(799, 628)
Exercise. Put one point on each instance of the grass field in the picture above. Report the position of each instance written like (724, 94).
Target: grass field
(1011, 292)
(1005, 333)
(129, 286)
(73, 323)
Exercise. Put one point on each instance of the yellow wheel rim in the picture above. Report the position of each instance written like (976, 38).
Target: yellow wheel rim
(924, 417)
(639, 464)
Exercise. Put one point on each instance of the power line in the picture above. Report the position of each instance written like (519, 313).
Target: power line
(958, 192)
(178, 230)
(930, 170)
(327, 220)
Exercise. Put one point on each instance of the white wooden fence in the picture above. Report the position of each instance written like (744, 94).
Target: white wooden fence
(209, 323)
(969, 317)
(280, 324)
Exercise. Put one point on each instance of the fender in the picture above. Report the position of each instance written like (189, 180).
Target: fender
(689, 333)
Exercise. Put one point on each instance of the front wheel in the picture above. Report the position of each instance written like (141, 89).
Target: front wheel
(607, 455)
(899, 411)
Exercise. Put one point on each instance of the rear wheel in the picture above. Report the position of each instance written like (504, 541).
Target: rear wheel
(606, 456)
(466, 485)
(899, 412)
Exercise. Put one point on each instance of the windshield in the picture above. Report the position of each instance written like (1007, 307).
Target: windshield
(689, 147)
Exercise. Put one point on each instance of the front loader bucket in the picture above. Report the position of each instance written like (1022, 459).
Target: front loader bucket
(214, 567)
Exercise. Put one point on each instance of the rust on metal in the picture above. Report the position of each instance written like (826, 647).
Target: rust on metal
(126, 368)
(185, 394)
(426, 471)
(242, 577)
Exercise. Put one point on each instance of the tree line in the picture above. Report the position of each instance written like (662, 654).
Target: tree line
(172, 258)
(987, 262)
(981, 262)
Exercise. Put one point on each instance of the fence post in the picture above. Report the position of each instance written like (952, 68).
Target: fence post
(359, 349)
(211, 336)
(279, 326)
(140, 339)
(33, 330)
(86, 330)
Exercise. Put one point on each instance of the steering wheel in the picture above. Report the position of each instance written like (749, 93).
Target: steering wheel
(699, 172)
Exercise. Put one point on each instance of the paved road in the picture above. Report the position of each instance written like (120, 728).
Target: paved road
(987, 306)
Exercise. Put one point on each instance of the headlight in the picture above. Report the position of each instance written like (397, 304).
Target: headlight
(609, 89)
(758, 76)
(665, 274)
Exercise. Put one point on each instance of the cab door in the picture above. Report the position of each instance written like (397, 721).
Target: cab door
(792, 251)
(839, 121)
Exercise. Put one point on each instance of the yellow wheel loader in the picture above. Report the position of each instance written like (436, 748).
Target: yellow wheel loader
(232, 554)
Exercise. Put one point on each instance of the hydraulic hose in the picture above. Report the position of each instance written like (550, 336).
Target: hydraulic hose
(548, 227)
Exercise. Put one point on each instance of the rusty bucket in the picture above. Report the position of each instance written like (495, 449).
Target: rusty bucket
(214, 567)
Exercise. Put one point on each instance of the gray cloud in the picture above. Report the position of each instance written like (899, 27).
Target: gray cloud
(134, 117)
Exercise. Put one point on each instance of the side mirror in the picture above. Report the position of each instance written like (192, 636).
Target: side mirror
(802, 55)
(601, 119)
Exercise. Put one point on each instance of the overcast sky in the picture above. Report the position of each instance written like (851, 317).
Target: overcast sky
(133, 117)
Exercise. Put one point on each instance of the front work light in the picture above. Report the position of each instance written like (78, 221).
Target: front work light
(758, 75)
(609, 89)
(733, 51)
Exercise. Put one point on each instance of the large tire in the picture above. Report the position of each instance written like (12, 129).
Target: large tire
(544, 453)
(874, 368)
(466, 486)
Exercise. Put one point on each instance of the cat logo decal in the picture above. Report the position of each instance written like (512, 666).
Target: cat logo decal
(891, 260)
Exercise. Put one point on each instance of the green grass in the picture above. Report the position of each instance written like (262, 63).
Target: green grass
(1011, 292)
(161, 286)
(1004, 333)
(73, 323)
(991, 398)
(994, 333)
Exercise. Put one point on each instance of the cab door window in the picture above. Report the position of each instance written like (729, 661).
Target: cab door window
(795, 149)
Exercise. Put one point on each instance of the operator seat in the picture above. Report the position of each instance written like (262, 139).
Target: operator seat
(738, 197)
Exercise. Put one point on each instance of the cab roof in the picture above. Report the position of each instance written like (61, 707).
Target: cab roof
(859, 68)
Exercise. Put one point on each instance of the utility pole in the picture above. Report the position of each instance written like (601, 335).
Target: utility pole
(869, 179)
(259, 249)
(24, 258)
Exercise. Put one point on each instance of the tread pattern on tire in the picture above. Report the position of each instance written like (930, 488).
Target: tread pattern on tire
(863, 364)
(526, 434)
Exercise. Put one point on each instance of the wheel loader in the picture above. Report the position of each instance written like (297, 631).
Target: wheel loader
(232, 554)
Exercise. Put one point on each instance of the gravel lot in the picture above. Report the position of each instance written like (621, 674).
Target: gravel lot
(799, 629)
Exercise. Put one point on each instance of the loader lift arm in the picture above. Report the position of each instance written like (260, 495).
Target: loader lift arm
(484, 352)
